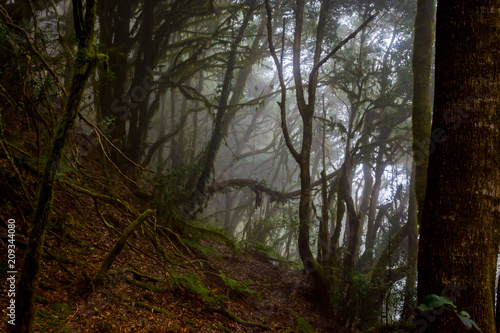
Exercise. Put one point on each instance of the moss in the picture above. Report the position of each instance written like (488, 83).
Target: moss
(241, 287)
(302, 324)
(52, 318)
(193, 284)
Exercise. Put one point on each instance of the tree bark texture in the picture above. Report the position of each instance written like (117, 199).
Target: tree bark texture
(459, 231)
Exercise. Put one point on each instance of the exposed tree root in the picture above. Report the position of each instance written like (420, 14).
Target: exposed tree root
(146, 286)
(140, 273)
(143, 305)
(115, 251)
(237, 319)
(121, 205)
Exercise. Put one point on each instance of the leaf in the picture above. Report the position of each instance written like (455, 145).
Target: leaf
(469, 323)
(434, 301)
(464, 314)
(423, 307)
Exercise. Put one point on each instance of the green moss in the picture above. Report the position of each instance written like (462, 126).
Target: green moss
(302, 324)
(195, 244)
(241, 287)
(193, 284)
(52, 318)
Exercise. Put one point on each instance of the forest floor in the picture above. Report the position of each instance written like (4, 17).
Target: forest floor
(142, 295)
(162, 281)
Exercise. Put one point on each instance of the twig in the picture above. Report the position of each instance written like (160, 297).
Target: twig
(143, 305)
(112, 163)
(112, 145)
(106, 198)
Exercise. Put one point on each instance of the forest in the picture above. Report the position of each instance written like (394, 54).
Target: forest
(249, 166)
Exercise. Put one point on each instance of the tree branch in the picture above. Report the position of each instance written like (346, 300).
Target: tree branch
(279, 67)
(256, 186)
(342, 43)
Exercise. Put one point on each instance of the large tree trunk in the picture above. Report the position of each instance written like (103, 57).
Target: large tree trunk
(114, 21)
(459, 231)
(86, 60)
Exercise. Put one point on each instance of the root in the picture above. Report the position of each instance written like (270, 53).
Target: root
(240, 321)
(143, 305)
(115, 251)
(121, 205)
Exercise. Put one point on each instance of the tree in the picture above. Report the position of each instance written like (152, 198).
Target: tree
(86, 61)
(306, 104)
(459, 231)
(421, 128)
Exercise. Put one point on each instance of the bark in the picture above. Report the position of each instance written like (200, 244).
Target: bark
(459, 231)
(114, 21)
(333, 259)
(421, 106)
(371, 230)
(257, 186)
(411, 273)
(148, 56)
(154, 35)
(382, 277)
(354, 222)
(118, 247)
(421, 128)
(323, 235)
(86, 60)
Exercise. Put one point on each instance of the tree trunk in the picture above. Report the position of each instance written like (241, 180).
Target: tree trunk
(114, 18)
(198, 180)
(421, 127)
(459, 231)
(85, 63)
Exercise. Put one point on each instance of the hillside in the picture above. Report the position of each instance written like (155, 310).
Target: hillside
(161, 281)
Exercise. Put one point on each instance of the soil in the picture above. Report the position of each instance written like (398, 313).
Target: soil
(174, 283)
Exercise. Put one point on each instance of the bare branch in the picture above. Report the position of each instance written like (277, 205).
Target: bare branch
(256, 186)
(279, 67)
(341, 44)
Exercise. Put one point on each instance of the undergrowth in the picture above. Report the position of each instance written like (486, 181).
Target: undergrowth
(195, 244)
(303, 325)
(193, 284)
(52, 318)
(241, 287)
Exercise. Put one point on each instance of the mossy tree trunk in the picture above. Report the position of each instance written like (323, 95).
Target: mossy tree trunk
(459, 233)
(118, 247)
(421, 127)
(86, 60)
